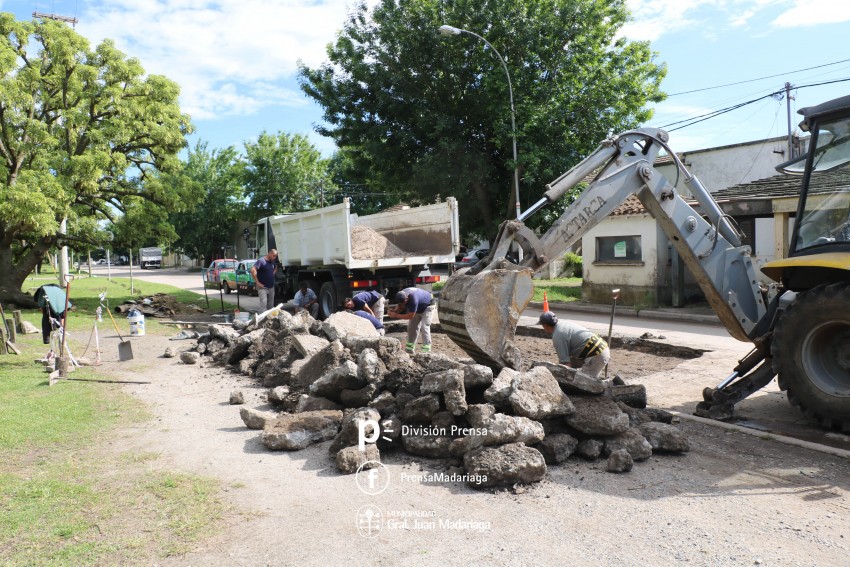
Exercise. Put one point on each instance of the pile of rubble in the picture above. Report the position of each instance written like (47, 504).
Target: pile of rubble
(338, 380)
(161, 305)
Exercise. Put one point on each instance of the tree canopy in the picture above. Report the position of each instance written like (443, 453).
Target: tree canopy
(430, 115)
(83, 132)
(284, 173)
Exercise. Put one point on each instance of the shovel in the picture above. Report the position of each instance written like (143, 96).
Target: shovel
(125, 347)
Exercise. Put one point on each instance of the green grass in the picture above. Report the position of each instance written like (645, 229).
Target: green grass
(65, 497)
(84, 296)
(559, 289)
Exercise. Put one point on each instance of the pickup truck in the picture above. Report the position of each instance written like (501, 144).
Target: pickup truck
(240, 279)
(212, 275)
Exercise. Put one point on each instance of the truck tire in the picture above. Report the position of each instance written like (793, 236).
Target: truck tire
(811, 354)
(227, 289)
(327, 300)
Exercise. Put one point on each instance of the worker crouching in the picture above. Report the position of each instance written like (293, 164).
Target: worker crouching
(576, 346)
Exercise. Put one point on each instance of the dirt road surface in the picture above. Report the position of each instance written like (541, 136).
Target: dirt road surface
(734, 499)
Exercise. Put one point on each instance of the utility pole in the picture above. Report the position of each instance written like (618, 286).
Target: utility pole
(788, 106)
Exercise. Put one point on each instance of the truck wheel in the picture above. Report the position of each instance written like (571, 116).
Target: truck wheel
(811, 354)
(327, 300)
(227, 288)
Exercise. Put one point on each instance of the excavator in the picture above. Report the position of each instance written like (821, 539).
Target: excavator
(799, 326)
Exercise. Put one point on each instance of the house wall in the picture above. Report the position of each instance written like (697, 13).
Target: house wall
(725, 166)
(638, 281)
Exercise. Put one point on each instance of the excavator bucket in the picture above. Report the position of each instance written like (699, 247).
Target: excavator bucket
(480, 313)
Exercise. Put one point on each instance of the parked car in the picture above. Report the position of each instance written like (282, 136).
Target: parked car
(240, 278)
(471, 258)
(212, 275)
(101, 262)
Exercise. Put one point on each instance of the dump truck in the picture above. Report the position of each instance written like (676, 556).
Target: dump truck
(799, 326)
(339, 253)
(150, 257)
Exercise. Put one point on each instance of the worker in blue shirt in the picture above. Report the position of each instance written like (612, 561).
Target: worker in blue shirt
(372, 302)
(417, 306)
(372, 319)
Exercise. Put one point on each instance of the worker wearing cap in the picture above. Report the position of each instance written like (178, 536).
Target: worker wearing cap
(372, 302)
(417, 306)
(576, 346)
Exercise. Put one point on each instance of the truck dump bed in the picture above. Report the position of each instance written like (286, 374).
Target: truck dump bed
(334, 236)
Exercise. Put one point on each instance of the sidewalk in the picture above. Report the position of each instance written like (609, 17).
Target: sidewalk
(699, 314)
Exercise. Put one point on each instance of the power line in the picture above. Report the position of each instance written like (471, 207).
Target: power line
(759, 79)
(703, 117)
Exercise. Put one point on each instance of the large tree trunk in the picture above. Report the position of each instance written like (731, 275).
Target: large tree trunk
(14, 271)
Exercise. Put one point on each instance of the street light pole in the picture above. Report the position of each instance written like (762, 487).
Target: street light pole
(450, 30)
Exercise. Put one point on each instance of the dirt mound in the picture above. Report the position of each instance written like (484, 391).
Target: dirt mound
(367, 244)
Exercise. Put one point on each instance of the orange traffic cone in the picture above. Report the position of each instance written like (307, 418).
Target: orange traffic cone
(545, 302)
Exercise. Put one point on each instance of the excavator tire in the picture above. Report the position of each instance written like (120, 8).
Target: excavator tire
(811, 354)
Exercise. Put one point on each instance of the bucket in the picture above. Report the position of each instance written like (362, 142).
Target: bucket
(137, 323)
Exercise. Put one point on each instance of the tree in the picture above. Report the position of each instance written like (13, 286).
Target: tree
(203, 228)
(284, 173)
(431, 115)
(82, 133)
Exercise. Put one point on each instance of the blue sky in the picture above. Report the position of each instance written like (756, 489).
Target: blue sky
(236, 59)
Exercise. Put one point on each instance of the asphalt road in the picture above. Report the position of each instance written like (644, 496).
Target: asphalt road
(679, 389)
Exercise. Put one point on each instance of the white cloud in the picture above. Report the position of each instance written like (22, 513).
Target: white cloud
(813, 12)
(654, 18)
(231, 57)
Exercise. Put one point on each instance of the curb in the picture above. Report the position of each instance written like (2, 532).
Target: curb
(672, 314)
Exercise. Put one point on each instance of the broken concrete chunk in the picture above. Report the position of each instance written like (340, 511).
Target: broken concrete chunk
(390, 428)
(502, 428)
(255, 419)
(454, 393)
(590, 449)
(620, 461)
(226, 333)
(535, 394)
(342, 324)
(501, 388)
(170, 352)
(435, 362)
(350, 459)
(505, 465)
(278, 394)
(597, 415)
(479, 415)
(384, 403)
(246, 366)
(370, 369)
(443, 421)
(633, 441)
(317, 365)
(421, 410)
(188, 357)
(308, 345)
(312, 403)
(358, 398)
(557, 448)
(477, 376)
(292, 432)
(664, 438)
(571, 380)
(237, 398)
(434, 382)
(239, 347)
(349, 432)
(343, 377)
(426, 446)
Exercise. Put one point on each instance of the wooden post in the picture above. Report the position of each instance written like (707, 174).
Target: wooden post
(3, 340)
(17, 316)
(13, 332)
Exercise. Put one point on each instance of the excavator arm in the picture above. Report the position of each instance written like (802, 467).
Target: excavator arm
(480, 306)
